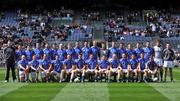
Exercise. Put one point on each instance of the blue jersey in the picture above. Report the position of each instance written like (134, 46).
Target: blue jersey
(142, 63)
(138, 52)
(148, 52)
(29, 54)
(103, 64)
(86, 52)
(121, 51)
(23, 63)
(92, 63)
(114, 63)
(77, 52)
(19, 54)
(34, 64)
(45, 63)
(38, 53)
(57, 64)
(95, 52)
(48, 53)
(151, 65)
(124, 63)
(53, 52)
(80, 63)
(113, 51)
(133, 63)
(62, 54)
(70, 52)
(68, 63)
(130, 53)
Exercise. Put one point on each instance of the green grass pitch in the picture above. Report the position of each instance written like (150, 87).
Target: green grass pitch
(90, 91)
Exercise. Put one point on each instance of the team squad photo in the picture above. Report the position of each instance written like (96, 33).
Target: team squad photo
(89, 50)
(60, 63)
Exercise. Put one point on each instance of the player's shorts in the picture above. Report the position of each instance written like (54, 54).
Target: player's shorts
(159, 62)
(56, 73)
(91, 70)
(168, 64)
(21, 74)
(43, 73)
(114, 70)
(68, 71)
(134, 70)
(124, 70)
(103, 70)
(79, 70)
(33, 74)
(152, 71)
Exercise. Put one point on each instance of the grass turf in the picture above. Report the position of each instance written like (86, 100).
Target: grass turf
(85, 92)
(34, 92)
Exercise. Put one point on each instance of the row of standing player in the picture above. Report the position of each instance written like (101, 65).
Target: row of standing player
(125, 68)
(85, 51)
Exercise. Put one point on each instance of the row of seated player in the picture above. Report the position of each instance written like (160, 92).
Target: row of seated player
(123, 70)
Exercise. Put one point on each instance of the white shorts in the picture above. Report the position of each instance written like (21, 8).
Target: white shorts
(114, 70)
(91, 70)
(168, 64)
(68, 70)
(124, 70)
(103, 70)
(152, 72)
(43, 74)
(33, 74)
(134, 70)
(21, 74)
(159, 62)
(56, 73)
(143, 70)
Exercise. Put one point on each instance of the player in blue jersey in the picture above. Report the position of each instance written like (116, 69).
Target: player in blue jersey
(103, 66)
(152, 69)
(34, 65)
(53, 52)
(47, 51)
(130, 51)
(45, 66)
(61, 52)
(114, 64)
(70, 51)
(92, 64)
(124, 63)
(142, 66)
(29, 53)
(86, 51)
(95, 51)
(57, 66)
(38, 52)
(138, 50)
(148, 51)
(69, 68)
(112, 50)
(133, 62)
(121, 50)
(77, 50)
(23, 69)
(80, 65)
(19, 53)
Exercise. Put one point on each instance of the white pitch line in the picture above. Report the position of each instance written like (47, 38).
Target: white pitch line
(83, 92)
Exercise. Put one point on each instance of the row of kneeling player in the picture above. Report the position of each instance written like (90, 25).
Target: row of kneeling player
(70, 70)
